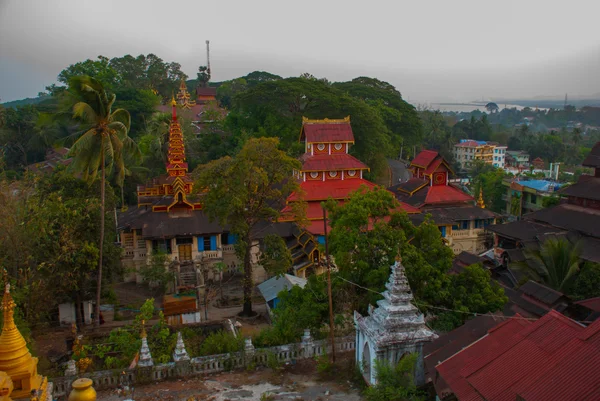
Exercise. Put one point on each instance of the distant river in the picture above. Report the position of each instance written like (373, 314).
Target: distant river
(468, 107)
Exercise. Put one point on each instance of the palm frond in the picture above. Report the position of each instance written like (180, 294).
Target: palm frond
(122, 116)
(85, 112)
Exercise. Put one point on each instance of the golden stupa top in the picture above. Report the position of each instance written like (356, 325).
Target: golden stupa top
(480, 202)
(14, 355)
(173, 101)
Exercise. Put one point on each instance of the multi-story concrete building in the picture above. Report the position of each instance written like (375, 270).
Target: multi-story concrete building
(499, 156)
(468, 150)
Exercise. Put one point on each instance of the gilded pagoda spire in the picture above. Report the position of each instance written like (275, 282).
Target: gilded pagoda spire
(15, 358)
(480, 202)
(184, 96)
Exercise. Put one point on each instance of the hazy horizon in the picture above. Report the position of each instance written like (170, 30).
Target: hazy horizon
(434, 52)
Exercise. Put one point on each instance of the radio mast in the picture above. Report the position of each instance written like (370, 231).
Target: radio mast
(208, 58)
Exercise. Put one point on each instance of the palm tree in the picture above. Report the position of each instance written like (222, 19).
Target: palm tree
(554, 264)
(101, 144)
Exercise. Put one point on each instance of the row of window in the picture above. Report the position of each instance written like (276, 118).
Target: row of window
(350, 173)
(205, 243)
(464, 225)
(500, 151)
(321, 146)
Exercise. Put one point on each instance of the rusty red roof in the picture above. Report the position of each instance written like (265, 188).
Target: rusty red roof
(445, 194)
(591, 303)
(325, 162)
(553, 358)
(328, 132)
(433, 166)
(424, 158)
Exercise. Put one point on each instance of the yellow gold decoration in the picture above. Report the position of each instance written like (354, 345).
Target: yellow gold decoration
(6, 387)
(143, 335)
(82, 390)
(184, 97)
(326, 120)
(15, 358)
(480, 202)
(173, 102)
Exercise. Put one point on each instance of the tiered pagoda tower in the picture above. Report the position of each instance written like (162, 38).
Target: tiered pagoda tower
(328, 169)
(171, 192)
(16, 360)
(393, 329)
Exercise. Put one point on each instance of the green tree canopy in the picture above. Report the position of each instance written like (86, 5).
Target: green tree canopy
(246, 191)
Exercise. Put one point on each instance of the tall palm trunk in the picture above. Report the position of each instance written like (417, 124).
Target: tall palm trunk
(99, 289)
(247, 310)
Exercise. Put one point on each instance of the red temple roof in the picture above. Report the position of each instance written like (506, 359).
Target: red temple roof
(336, 189)
(553, 358)
(327, 132)
(445, 194)
(424, 158)
(326, 162)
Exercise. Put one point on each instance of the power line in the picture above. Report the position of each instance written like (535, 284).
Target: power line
(456, 310)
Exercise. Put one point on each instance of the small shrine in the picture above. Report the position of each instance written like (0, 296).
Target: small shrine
(16, 361)
(393, 329)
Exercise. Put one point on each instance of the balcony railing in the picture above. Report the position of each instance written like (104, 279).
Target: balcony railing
(228, 248)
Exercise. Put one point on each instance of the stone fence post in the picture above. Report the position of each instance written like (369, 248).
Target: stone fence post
(248, 351)
(307, 344)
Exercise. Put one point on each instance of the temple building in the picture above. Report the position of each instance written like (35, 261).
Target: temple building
(200, 111)
(328, 171)
(577, 220)
(461, 221)
(169, 218)
(16, 362)
(393, 329)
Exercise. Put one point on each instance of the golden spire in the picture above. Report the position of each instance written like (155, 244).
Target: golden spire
(15, 358)
(143, 329)
(173, 101)
(480, 200)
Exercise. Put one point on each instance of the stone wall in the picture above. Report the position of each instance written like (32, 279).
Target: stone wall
(109, 379)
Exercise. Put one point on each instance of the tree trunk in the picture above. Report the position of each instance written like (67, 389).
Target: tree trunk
(248, 285)
(122, 199)
(101, 249)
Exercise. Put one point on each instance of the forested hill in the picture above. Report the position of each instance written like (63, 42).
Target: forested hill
(23, 102)
(259, 104)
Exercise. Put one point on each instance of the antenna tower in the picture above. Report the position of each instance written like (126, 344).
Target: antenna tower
(208, 57)
(565, 100)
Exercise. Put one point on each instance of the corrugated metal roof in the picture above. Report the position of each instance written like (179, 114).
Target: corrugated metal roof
(424, 158)
(273, 286)
(552, 359)
(326, 133)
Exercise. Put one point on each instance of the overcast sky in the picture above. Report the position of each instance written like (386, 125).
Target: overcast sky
(430, 50)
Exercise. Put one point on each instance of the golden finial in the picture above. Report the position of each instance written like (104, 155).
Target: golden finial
(480, 202)
(398, 257)
(143, 329)
(173, 102)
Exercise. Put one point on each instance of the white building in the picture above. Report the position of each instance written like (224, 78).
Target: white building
(499, 156)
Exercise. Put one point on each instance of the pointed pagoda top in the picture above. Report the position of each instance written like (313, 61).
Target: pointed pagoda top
(480, 202)
(14, 355)
(396, 319)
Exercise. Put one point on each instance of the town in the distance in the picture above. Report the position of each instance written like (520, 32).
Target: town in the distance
(268, 238)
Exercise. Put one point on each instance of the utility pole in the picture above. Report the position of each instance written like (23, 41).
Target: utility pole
(332, 335)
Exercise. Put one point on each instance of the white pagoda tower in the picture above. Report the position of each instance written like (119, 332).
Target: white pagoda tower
(393, 329)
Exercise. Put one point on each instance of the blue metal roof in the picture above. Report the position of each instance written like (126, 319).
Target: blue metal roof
(541, 185)
(273, 286)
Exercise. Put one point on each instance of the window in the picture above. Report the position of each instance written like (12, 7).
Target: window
(463, 225)
(321, 146)
(228, 239)
(333, 173)
(314, 174)
(351, 173)
(161, 245)
(338, 146)
(207, 243)
(443, 231)
(533, 198)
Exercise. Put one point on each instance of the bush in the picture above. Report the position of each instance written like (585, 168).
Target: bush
(221, 342)
(395, 383)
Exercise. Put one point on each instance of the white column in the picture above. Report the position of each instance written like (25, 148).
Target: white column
(346, 147)
(342, 175)
(329, 148)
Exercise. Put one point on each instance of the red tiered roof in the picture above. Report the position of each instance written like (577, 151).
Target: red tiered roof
(551, 359)
(322, 190)
(327, 132)
(424, 158)
(339, 161)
